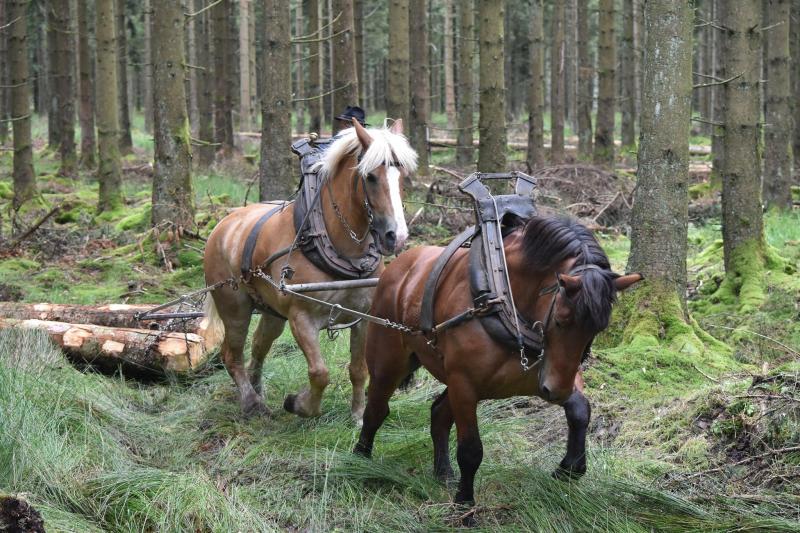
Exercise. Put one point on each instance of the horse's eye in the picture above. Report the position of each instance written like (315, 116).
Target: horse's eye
(372, 178)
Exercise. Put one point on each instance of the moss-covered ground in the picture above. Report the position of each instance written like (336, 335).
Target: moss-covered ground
(697, 435)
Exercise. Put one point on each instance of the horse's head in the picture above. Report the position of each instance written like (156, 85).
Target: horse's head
(385, 161)
(573, 297)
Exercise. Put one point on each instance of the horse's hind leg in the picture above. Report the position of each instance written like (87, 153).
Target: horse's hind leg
(358, 370)
(307, 402)
(234, 308)
(441, 423)
(269, 328)
(578, 413)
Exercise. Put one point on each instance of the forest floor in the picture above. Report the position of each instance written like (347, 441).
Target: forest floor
(682, 438)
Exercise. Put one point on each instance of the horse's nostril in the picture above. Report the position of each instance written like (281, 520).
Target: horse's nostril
(545, 392)
(391, 239)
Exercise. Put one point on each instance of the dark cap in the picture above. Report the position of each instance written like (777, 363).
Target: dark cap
(353, 112)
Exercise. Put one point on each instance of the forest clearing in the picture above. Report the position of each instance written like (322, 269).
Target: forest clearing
(132, 134)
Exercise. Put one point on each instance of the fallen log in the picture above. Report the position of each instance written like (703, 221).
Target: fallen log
(135, 350)
(111, 315)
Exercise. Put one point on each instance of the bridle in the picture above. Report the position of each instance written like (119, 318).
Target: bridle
(362, 178)
(542, 326)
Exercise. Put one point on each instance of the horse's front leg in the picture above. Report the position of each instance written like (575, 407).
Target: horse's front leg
(469, 452)
(578, 412)
(306, 333)
(358, 371)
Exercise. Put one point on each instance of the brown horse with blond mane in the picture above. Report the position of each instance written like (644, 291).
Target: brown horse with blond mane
(362, 172)
(559, 277)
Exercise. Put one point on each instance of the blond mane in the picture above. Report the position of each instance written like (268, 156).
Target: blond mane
(387, 148)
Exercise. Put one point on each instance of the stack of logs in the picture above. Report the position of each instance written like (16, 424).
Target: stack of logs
(110, 337)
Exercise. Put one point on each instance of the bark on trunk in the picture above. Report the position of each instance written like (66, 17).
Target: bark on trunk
(275, 172)
(659, 220)
(557, 84)
(419, 114)
(398, 101)
(64, 86)
(795, 53)
(190, 38)
(147, 69)
(86, 113)
(718, 129)
(779, 127)
(205, 90)
(245, 113)
(5, 103)
(571, 64)
(627, 63)
(311, 8)
(606, 66)
(172, 172)
(465, 153)
(223, 120)
(345, 76)
(585, 76)
(110, 166)
(24, 177)
(449, 66)
(125, 139)
(535, 157)
(358, 30)
(492, 121)
(299, 73)
(136, 350)
(742, 221)
(112, 315)
(53, 121)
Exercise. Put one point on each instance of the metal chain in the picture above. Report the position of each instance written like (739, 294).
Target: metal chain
(353, 235)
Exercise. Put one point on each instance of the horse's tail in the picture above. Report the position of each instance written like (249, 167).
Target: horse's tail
(211, 325)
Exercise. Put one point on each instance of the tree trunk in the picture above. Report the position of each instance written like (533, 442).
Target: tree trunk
(172, 172)
(358, 25)
(465, 153)
(585, 76)
(571, 64)
(24, 177)
(718, 129)
(659, 220)
(299, 73)
(109, 170)
(234, 76)
(63, 83)
(112, 315)
(628, 75)
(192, 82)
(245, 114)
(254, 100)
(275, 172)
(420, 112)
(311, 8)
(136, 350)
(86, 114)
(345, 77)
(795, 53)
(557, 84)
(147, 68)
(4, 99)
(492, 121)
(449, 66)
(606, 65)
(205, 89)
(53, 114)
(742, 221)
(398, 100)
(779, 127)
(223, 120)
(535, 157)
(125, 139)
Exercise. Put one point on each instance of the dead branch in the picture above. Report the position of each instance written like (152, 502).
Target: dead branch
(448, 172)
(713, 83)
(209, 6)
(33, 228)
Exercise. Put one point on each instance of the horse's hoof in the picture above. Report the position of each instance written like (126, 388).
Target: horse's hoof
(467, 513)
(569, 473)
(362, 450)
(288, 403)
(256, 409)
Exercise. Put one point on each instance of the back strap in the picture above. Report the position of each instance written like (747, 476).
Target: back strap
(429, 295)
(252, 238)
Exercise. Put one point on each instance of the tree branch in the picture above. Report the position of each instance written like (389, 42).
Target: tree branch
(704, 121)
(312, 34)
(4, 26)
(209, 6)
(319, 39)
(323, 95)
(713, 83)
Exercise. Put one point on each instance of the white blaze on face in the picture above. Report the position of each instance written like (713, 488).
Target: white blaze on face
(393, 177)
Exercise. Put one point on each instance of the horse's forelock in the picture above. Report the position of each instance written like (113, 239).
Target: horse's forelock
(387, 148)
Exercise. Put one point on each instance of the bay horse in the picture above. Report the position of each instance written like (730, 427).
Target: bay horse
(559, 276)
(378, 158)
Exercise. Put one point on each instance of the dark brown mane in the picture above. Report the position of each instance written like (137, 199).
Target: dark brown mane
(548, 241)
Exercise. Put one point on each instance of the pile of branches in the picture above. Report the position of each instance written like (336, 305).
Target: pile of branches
(601, 199)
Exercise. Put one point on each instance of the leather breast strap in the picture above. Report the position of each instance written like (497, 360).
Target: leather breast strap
(252, 239)
(429, 294)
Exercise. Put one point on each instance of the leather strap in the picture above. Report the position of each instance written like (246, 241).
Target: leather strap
(252, 239)
(429, 294)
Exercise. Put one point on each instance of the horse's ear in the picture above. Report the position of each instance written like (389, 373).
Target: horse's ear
(572, 284)
(624, 282)
(397, 126)
(363, 136)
